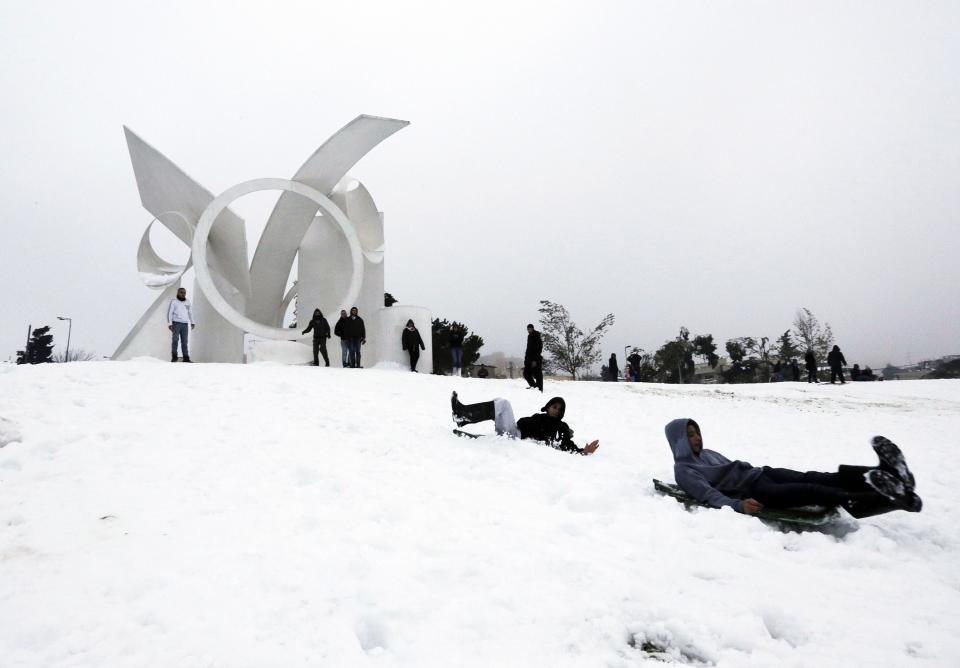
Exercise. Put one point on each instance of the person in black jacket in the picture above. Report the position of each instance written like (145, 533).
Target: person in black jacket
(836, 361)
(547, 426)
(457, 333)
(533, 360)
(339, 330)
(613, 369)
(412, 343)
(810, 361)
(356, 335)
(321, 332)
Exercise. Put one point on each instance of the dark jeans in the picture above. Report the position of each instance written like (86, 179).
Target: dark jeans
(836, 371)
(320, 346)
(181, 330)
(344, 352)
(784, 488)
(414, 358)
(533, 373)
(353, 352)
(811, 375)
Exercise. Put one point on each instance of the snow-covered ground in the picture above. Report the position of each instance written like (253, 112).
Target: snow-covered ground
(157, 514)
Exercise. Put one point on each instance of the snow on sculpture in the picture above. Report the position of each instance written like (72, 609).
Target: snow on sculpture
(324, 216)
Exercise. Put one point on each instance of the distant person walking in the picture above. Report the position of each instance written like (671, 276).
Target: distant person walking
(533, 359)
(795, 370)
(613, 369)
(321, 332)
(633, 367)
(340, 330)
(179, 316)
(836, 361)
(810, 361)
(356, 337)
(457, 333)
(413, 343)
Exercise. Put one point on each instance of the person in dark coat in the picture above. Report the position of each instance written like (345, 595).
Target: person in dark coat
(547, 426)
(863, 491)
(810, 361)
(356, 335)
(795, 370)
(413, 343)
(483, 372)
(533, 359)
(836, 361)
(321, 332)
(457, 334)
(613, 369)
(633, 364)
(340, 330)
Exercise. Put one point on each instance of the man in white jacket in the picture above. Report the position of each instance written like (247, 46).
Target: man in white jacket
(179, 315)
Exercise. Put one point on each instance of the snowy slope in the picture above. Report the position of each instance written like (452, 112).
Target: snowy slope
(154, 514)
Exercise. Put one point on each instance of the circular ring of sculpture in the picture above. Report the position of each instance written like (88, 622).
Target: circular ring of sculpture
(216, 207)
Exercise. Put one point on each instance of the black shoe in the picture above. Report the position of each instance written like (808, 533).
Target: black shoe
(174, 358)
(889, 486)
(186, 359)
(892, 460)
(457, 407)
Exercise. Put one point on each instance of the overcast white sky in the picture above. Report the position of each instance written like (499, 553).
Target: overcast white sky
(714, 165)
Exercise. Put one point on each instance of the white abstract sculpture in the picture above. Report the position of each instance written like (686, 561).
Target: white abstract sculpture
(324, 215)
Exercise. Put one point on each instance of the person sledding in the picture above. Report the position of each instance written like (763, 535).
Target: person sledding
(547, 426)
(862, 491)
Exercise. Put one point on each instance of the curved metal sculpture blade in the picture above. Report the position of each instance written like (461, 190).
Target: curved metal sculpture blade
(293, 213)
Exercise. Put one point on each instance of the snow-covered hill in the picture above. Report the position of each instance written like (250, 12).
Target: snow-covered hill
(156, 514)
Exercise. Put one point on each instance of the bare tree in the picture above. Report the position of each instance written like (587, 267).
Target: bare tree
(76, 355)
(570, 349)
(811, 334)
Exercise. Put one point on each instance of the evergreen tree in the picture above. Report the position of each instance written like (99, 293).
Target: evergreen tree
(39, 348)
(786, 349)
(568, 347)
(440, 336)
(704, 347)
(388, 299)
(674, 359)
(811, 334)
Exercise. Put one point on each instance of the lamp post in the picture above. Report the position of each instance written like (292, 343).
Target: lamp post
(66, 357)
(626, 373)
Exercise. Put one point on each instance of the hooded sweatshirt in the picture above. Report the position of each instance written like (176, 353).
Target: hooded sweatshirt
(708, 477)
(552, 431)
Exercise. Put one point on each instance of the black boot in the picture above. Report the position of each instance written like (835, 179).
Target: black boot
(894, 489)
(892, 460)
(470, 413)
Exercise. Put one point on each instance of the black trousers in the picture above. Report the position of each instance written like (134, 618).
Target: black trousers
(811, 375)
(320, 346)
(836, 371)
(414, 358)
(784, 488)
(533, 373)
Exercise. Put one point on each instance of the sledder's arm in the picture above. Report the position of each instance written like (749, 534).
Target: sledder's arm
(590, 448)
(694, 484)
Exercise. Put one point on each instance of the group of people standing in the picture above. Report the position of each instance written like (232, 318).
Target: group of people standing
(350, 329)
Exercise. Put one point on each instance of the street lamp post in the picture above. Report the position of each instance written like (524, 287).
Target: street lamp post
(66, 357)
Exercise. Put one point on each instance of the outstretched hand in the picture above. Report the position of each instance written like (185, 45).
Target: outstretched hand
(590, 448)
(751, 506)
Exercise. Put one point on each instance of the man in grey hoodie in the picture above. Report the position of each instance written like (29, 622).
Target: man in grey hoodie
(711, 478)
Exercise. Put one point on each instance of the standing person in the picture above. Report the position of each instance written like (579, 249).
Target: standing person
(340, 330)
(533, 359)
(482, 372)
(836, 361)
(179, 315)
(613, 369)
(356, 337)
(413, 343)
(795, 370)
(457, 334)
(810, 361)
(321, 332)
(634, 361)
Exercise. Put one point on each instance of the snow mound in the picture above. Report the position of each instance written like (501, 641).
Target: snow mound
(271, 515)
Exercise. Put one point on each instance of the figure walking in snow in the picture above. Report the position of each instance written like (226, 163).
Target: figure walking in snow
(412, 342)
(321, 332)
(863, 491)
(533, 360)
(613, 369)
(547, 426)
(810, 361)
(836, 361)
(457, 333)
(340, 330)
(179, 316)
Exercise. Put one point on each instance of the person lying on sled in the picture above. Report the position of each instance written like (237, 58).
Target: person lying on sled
(711, 478)
(547, 426)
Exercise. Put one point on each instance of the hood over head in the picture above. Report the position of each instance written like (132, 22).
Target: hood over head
(676, 431)
(410, 323)
(317, 313)
(563, 405)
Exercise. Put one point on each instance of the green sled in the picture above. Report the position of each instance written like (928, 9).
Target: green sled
(804, 518)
